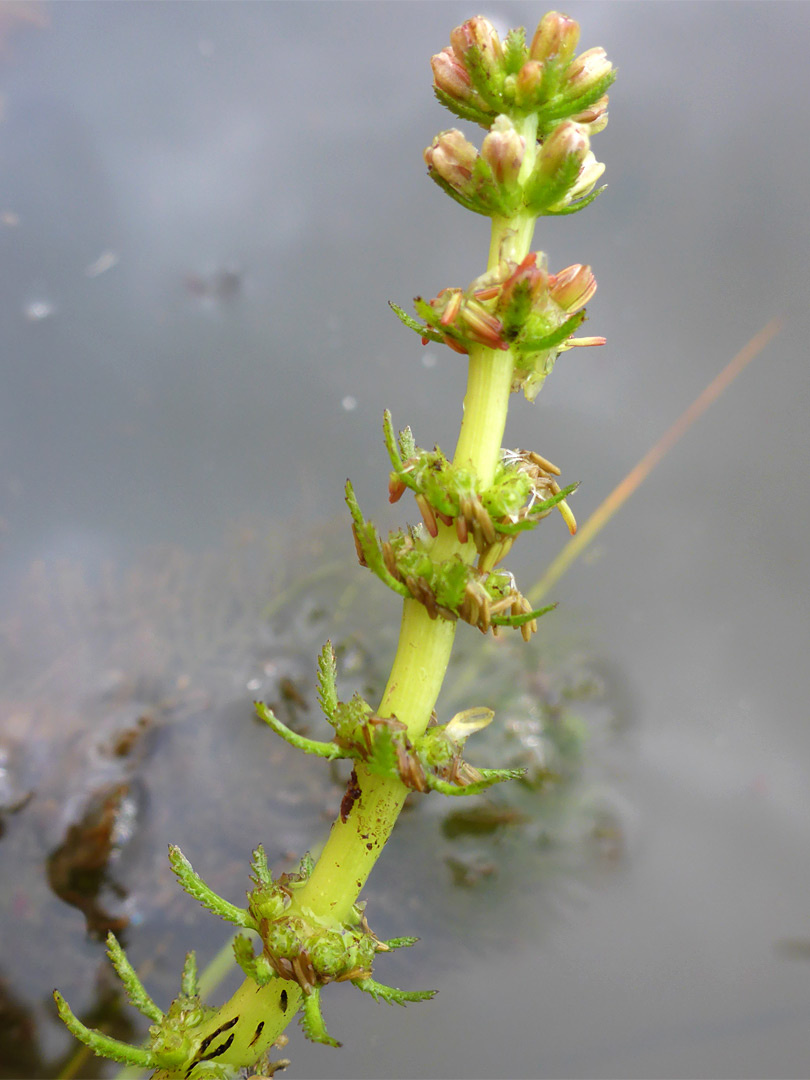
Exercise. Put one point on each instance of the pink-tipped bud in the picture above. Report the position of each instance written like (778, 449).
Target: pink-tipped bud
(555, 38)
(528, 82)
(589, 172)
(503, 150)
(586, 70)
(566, 140)
(452, 157)
(573, 287)
(478, 33)
(527, 275)
(450, 75)
(594, 119)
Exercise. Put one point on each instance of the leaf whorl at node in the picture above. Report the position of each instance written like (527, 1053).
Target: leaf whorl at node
(516, 306)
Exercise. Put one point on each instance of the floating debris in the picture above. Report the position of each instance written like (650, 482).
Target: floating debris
(106, 261)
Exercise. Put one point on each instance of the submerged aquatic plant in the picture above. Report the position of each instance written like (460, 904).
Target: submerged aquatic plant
(540, 104)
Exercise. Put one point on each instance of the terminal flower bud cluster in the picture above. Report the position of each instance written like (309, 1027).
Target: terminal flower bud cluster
(517, 306)
(478, 77)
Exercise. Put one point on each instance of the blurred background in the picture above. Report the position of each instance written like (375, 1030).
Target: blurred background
(204, 211)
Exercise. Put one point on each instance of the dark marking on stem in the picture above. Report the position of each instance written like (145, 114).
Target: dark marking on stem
(283, 1000)
(220, 1049)
(369, 846)
(259, 1030)
(353, 793)
(207, 1042)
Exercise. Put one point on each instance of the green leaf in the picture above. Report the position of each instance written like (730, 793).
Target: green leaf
(327, 677)
(136, 992)
(391, 994)
(521, 620)
(189, 983)
(463, 110)
(542, 191)
(407, 444)
(469, 203)
(312, 1021)
(575, 207)
(515, 53)
(370, 546)
(328, 750)
(383, 758)
(258, 864)
(400, 942)
(101, 1044)
(196, 888)
(258, 968)
(555, 337)
(391, 444)
(537, 513)
(566, 105)
(417, 327)
(488, 778)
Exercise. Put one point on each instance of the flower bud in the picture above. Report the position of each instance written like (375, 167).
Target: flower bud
(450, 75)
(452, 157)
(593, 119)
(522, 290)
(566, 141)
(528, 83)
(589, 173)
(573, 287)
(503, 150)
(586, 70)
(555, 38)
(478, 33)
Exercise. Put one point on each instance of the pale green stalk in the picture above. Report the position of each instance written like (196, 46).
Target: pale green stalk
(416, 678)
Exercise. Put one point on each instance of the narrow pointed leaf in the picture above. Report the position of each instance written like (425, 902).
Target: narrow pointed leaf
(312, 1021)
(136, 992)
(102, 1044)
(196, 888)
(328, 750)
(189, 983)
(390, 994)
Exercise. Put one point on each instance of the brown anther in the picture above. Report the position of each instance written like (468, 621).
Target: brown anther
(396, 488)
(456, 346)
(452, 309)
(543, 463)
(487, 293)
(389, 560)
(428, 516)
(485, 521)
(478, 536)
(526, 630)
(469, 608)
(444, 518)
(484, 617)
(461, 529)
(568, 516)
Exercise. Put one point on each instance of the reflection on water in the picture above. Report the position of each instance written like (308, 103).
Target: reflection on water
(127, 723)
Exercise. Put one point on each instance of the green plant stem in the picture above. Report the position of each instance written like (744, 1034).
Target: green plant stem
(419, 667)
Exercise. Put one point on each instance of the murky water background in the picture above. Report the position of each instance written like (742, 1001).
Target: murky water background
(204, 210)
